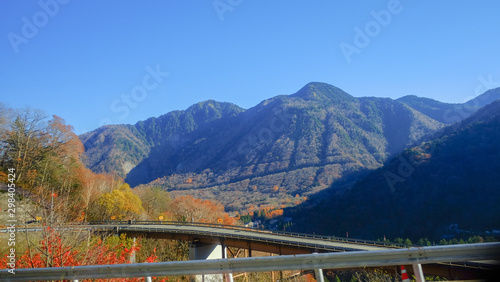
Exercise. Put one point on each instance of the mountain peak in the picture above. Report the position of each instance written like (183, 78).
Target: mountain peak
(322, 91)
(210, 110)
(211, 104)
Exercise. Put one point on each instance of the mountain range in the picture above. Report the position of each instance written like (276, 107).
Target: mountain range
(279, 152)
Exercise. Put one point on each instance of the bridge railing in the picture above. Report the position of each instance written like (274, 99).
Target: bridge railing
(243, 228)
(341, 260)
(314, 242)
(282, 240)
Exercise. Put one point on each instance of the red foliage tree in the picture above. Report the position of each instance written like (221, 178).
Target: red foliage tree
(54, 253)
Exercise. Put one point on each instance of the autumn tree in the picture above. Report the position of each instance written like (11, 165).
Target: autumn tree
(5, 115)
(190, 209)
(275, 188)
(155, 201)
(94, 185)
(274, 213)
(121, 203)
(23, 144)
(62, 172)
(46, 156)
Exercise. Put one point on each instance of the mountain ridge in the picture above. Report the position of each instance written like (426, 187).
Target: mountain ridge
(449, 113)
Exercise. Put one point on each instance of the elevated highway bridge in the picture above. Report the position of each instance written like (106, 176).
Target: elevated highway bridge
(282, 243)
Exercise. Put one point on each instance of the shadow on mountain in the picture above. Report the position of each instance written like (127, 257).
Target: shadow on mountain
(452, 179)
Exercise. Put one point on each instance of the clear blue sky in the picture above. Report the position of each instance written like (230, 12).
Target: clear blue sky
(90, 61)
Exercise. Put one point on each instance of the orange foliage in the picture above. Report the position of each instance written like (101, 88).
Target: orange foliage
(274, 213)
(3, 177)
(309, 278)
(426, 156)
(61, 133)
(267, 212)
(275, 188)
(190, 209)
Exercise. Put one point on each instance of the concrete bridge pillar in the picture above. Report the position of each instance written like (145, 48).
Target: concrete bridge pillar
(204, 251)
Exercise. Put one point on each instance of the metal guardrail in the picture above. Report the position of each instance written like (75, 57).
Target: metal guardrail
(289, 239)
(233, 227)
(424, 255)
(290, 242)
(242, 228)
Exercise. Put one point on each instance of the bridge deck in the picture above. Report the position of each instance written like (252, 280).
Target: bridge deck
(241, 238)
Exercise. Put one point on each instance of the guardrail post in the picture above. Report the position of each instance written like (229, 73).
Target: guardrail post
(319, 275)
(229, 276)
(419, 273)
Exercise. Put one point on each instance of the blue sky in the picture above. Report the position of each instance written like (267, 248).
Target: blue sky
(95, 62)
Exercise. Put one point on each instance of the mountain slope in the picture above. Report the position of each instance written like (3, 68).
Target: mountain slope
(119, 148)
(449, 113)
(286, 146)
(451, 179)
(114, 148)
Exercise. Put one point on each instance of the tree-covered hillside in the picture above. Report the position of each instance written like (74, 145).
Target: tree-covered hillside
(451, 179)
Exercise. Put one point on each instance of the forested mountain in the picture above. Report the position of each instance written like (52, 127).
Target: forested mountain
(450, 179)
(449, 113)
(277, 152)
(119, 148)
